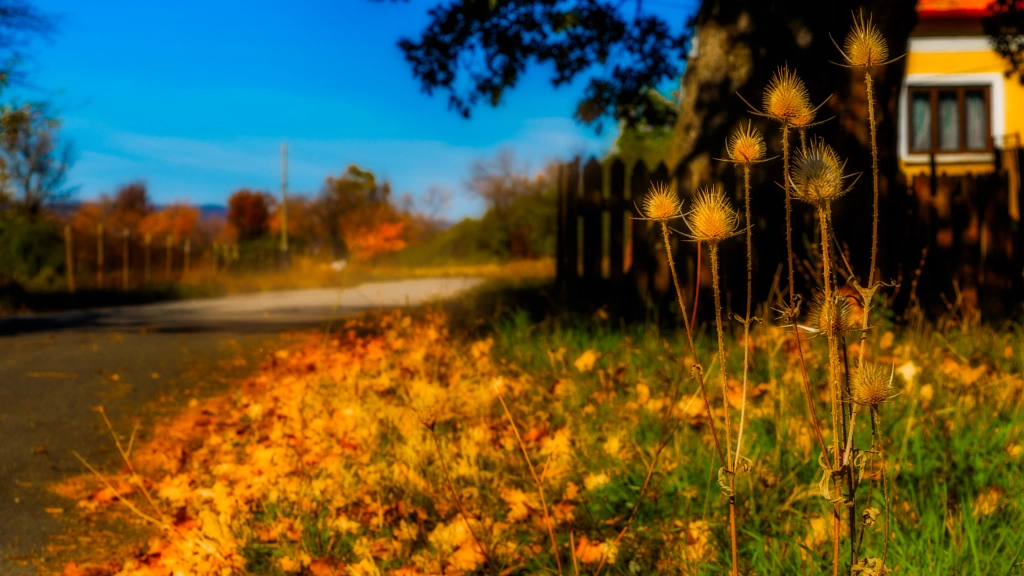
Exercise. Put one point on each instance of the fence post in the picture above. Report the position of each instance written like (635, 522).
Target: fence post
(187, 249)
(593, 247)
(617, 210)
(569, 251)
(640, 248)
(69, 259)
(99, 256)
(125, 266)
(170, 246)
(146, 260)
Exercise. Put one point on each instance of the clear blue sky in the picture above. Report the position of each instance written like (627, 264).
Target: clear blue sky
(195, 98)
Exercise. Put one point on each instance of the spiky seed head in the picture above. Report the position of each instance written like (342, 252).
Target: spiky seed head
(711, 219)
(786, 98)
(661, 203)
(835, 316)
(818, 174)
(865, 46)
(872, 385)
(746, 145)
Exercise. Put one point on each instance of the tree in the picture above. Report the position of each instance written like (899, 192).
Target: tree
(347, 202)
(1005, 26)
(499, 181)
(474, 50)
(20, 22)
(249, 213)
(34, 164)
(130, 205)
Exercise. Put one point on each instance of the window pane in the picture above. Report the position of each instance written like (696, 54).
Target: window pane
(976, 120)
(949, 121)
(921, 121)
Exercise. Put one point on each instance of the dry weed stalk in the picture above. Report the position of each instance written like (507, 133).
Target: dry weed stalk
(662, 205)
(710, 221)
(818, 179)
(430, 423)
(536, 479)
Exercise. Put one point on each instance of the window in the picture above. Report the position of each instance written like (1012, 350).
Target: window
(949, 119)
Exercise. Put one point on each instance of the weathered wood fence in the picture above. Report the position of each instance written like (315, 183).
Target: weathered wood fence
(968, 227)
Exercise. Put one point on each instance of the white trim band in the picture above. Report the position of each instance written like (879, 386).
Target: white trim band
(939, 44)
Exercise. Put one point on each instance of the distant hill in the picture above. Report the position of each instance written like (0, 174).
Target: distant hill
(205, 210)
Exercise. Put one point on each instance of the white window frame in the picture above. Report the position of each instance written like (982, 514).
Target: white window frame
(997, 114)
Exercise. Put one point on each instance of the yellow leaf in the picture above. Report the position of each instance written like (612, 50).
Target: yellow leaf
(613, 446)
(908, 370)
(593, 481)
(585, 362)
(520, 504)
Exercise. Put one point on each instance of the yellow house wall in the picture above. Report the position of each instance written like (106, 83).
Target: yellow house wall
(967, 63)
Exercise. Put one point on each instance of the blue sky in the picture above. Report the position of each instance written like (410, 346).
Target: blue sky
(195, 98)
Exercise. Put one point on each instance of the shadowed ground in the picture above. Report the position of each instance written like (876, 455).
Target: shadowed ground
(139, 363)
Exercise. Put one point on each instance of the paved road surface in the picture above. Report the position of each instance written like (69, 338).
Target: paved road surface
(139, 362)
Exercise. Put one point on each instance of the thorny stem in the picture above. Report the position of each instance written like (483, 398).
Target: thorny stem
(746, 319)
(789, 227)
(876, 428)
(721, 347)
(693, 350)
(803, 140)
(703, 389)
(865, 317)
(833, 361)
(455, 496)
(725, 402)
(848, 433)
(696, 289)
(792, 293)
(540, 488)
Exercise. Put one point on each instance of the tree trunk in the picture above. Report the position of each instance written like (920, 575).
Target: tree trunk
(738, 46)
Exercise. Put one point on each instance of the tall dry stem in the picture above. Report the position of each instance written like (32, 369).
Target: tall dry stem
(536, 481)
(725, 402)
(833, 372)
(746, 318)
(699, 372)
(455, 495)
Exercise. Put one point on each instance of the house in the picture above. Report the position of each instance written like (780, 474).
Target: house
(959, 113)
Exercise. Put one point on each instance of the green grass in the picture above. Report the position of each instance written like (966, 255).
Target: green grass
(946, 453)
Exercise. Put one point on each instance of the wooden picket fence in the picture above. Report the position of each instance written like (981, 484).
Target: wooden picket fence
(967, 228)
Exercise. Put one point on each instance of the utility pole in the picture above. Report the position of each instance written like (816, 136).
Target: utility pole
(99, 256)
(149, 244)
(285, 260)
(69, 259)
(124, 264)
(187, 249)
(170, 246)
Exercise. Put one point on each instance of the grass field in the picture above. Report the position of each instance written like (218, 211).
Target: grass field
(399, 445)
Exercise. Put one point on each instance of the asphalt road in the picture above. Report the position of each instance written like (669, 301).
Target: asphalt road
(139, 363)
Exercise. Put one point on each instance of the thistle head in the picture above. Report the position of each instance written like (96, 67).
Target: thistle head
(711, 219)
(865, 46)
(872, 384)
(746, 145)
(835, 315)
(661, 203)
(786, 98)
(818, 174)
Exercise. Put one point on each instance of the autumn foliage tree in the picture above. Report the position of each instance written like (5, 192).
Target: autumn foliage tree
(357, 216)
(249, 213)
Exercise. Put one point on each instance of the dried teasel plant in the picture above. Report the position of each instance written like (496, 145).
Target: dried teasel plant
(746, 147)
(661, 205)
(711, 220)
(818, 177)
